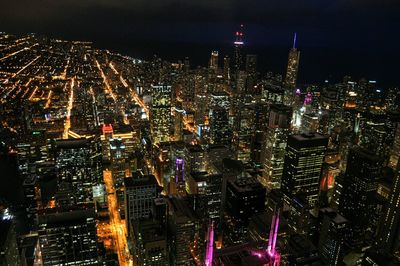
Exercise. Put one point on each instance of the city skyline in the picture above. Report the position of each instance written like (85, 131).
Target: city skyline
(225, 149)
(355, 38)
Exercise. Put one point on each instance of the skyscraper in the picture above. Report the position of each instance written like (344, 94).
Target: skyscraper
(238, 63)
(238, 51)
(275, 145)
(140, 192)
(78, 162)
(68, 236)
(227, 75)
(291, 73)
(332, 237)
(358, 198)
(389, 226)
(183, 225)
(220, 131)
(303, 166)
(8, 244)
(160, 113)
(214, 61)
(244, 198)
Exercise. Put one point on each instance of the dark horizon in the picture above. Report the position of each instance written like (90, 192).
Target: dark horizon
(355, 37)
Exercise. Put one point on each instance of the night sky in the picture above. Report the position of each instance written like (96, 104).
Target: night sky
(337, 37)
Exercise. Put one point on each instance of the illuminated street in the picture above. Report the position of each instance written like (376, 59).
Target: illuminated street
(118, 228)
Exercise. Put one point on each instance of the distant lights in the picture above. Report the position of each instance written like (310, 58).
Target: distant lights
(7, 215)
(239, 43)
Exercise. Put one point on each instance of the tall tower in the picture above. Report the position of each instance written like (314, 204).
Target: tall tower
(220, 131)
(303, 166)
(238, 53)
(358, 199)
(214, 61)
(160, 113)
(275, 144)
(389, 229)
(291, 72)
(227, 75)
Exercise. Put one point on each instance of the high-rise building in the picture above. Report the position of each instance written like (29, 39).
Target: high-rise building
(220, 131)
(140, 192)
(68, 236)
(291, 73)
(275, 145)
(358, 198)
(389, 226)
(160, 113)
(244, 130)
(119, 162)
(244, 198)
(9, 254)
(251, 70)
(332, 237)
(207, 192)
(227, 75)
(78, 162)
(214, 61)
(183, 225)
(150, 243)
(303, 166)
(195, 158)
(238, 52)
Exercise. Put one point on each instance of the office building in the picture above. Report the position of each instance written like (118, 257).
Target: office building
(183, 225)
(206, 189)
(245, 197)
(140, 192)
(291, 73)
(358, 198)
(160, 113)
(9, 254)
(220, 131)
(389, 226)
(68, 236)
(150, 243)
(303, 166)
(332, 236)
(78, 162)
(276, 136)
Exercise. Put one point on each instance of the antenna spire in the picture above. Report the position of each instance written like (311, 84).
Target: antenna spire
(294, 40)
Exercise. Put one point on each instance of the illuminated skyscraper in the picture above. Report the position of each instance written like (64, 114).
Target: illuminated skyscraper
(251, 71)
(220, 131)
(119, 161)
(227, 75)
(244, 130)
(184, 226)
(303, 166)
(389, 227)
(275, 145)
(332, 237)
(8, 244)
(238, 54)
(291, 73)
(78, 162)
(358, 199)
(140, 192)
(214, 61)
(160, 113)
(68, 236)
